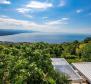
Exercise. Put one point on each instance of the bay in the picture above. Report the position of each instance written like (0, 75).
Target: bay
(43, 37)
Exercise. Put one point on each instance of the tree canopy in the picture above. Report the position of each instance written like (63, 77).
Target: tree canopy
(30, 63)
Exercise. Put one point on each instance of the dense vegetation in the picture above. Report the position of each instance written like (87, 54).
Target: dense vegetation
(30, 63)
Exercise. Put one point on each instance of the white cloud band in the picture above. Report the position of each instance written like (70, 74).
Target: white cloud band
(5, 2)
(50, 26)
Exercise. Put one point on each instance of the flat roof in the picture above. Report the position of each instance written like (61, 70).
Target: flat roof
(84, 68)
(63, 66)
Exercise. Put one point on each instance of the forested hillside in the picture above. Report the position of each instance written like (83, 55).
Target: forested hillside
(30, 63)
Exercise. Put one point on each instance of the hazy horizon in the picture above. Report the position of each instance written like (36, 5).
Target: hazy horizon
(46, 16)
(73, 16)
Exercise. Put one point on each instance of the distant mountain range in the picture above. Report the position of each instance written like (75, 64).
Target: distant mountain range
(4, 32)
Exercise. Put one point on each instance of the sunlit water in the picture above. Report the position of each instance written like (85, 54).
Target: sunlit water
(45, 37)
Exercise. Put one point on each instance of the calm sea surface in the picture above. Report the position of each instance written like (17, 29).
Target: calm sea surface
(45, 37)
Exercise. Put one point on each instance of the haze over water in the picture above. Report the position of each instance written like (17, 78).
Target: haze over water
(43, 37)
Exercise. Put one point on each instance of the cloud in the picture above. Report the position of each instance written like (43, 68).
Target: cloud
(57, 26)
(62, 3)
(5, 2)
(4, 16)
(60, 21)
(79, 11)
(38, 5)
(65, 19)
(49, 26)
(34, 5)
(23, 10)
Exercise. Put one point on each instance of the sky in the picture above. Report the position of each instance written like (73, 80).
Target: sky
(51, 16)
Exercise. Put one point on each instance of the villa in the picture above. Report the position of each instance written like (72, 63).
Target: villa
(84, 69)
(78, 73)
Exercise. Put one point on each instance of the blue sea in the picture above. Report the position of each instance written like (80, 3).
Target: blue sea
(43, 37)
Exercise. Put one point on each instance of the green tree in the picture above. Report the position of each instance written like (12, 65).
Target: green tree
(86, 52)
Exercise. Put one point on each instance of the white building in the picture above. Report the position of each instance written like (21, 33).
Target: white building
(84, 69)
(62, 65)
